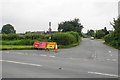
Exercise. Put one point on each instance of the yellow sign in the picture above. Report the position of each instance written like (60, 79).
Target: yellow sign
(52, 43)
(51, 46)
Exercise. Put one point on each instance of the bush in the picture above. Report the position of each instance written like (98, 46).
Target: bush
(99, 34)
(10, 36)
(20, 37)
(22, 42)
(34, 36)
(63, 38)
(112, 39)
(107, 38)
(76, 35)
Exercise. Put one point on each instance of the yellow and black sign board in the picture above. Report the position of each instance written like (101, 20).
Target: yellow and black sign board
(51, 46)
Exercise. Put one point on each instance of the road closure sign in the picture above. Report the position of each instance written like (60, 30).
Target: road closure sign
(40, 44)
(51, 45)
(48, 45)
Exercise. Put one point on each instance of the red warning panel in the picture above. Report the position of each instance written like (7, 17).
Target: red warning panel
(36, 44)
(40, 44)
(43, 45)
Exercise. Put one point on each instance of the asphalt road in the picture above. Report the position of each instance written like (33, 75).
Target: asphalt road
(91, 59)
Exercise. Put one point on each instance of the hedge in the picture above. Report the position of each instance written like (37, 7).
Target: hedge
(22, 42)
(113, 39)
(63, 38)
(31, 36)
(76, 35)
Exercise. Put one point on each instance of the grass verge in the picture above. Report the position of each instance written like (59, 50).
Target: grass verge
(29, 47)
(98, 39)
(68, 46)
(16, 47)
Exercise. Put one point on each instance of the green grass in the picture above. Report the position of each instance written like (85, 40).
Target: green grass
(16, 47)
(98, 39)
(68, 46)
(29, 47)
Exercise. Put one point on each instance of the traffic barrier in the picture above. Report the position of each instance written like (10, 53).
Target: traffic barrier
(46, 45)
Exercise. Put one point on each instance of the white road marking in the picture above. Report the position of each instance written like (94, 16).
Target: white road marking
(112, 75)
(107, 59)
(20, 53)
(21, 63)
(110, 53)
(43, 55)
(51, 56)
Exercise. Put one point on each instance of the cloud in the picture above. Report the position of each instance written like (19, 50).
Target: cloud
(34, 15)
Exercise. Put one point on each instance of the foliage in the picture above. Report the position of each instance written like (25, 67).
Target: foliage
(22, 42)
(16, 41)
(105, 30)
(99, 34)
(63, 38)
(113, 38)
(10, 36)
(8, 28)
(34, 36)
(72, 25)
(116, 24)
(90, 33)
(68, 46)
(76, 35)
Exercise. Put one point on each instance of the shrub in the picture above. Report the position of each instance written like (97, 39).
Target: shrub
(63, 38)
(113, 39)
(4, 36)
(11, 36)
(22, 42)
(76, 35)
(99, 34)
(34, 36)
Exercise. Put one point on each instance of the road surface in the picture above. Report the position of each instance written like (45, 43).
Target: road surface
(91, 59)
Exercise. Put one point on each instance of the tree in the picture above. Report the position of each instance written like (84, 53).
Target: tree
(8, 28)
(113, 38)
(99, 34)
(72, 25)
(91, 33)
(105, 30)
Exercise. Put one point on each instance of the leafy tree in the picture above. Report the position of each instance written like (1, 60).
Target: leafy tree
(115, 35)
(116, 24)
(8, 28)
(90, 33)
(72, 25)
(99, 34)
(105, 30)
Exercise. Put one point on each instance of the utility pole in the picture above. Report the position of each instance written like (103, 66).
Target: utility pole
(49, 27)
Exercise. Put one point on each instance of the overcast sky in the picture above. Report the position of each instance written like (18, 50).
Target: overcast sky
(34, 15)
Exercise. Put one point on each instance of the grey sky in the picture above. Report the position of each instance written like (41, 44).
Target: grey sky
(34, 15)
